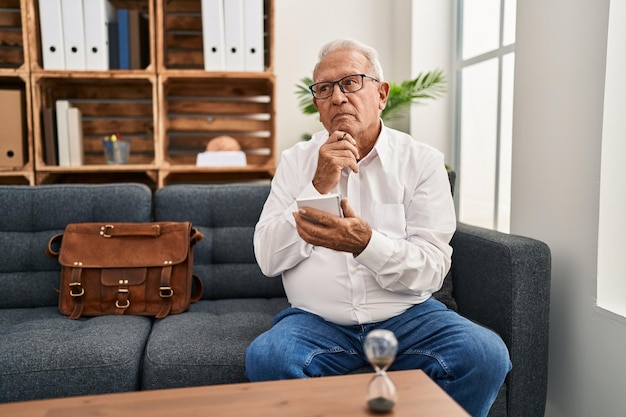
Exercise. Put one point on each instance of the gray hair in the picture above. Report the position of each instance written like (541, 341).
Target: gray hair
(368, 52)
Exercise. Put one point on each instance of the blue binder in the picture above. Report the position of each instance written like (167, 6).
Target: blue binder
(123, 38)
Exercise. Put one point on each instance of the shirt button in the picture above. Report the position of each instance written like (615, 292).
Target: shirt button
(357, 306)
(353, 270)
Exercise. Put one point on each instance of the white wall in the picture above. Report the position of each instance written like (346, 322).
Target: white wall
(302, 27)
(432, 45)
(557, 133)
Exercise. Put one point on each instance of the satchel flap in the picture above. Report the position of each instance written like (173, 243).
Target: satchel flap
(114, 277)
(128, 245)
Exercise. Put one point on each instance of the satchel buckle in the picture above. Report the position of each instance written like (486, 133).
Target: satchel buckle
(117, 304)
(76, 292)
(106, 230)
(166, 292)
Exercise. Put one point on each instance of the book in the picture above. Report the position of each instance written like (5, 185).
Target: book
(144, 39)
(123, 38)
(134, 39)
(48, 121)
(114, 45)
(75, 136)
(63, 141)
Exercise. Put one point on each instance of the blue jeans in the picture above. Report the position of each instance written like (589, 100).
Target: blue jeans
(468, 361)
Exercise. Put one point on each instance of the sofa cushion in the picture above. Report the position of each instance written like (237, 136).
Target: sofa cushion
(42, 353)
(45, 355)
(446, 293)
(31, 215)
(227, 215)
(206, 345)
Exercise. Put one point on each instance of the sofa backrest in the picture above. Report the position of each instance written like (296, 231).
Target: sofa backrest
(31, 215)
(226, 214)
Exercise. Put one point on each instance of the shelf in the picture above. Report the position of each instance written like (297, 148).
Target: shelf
(168, 110)
(12, 40)
(195, 110)
(180, 35)
(110, 103)
(34, 37)
(16, 178)
(148, 177)
(99, 168)
(14, 74)
(193, 174)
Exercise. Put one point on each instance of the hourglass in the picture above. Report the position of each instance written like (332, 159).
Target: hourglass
(380, 348)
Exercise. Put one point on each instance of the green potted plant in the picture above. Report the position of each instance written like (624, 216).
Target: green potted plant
(427, 85)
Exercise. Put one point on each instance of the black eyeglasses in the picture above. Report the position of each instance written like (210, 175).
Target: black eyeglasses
(348, 84)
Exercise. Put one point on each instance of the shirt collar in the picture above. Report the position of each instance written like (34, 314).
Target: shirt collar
(381, 147)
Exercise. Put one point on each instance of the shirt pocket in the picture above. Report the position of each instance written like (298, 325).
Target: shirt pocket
(389, 219)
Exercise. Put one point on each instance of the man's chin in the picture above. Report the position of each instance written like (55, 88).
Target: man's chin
(343, 123)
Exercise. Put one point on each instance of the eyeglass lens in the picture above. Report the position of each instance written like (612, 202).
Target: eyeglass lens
(348, 84)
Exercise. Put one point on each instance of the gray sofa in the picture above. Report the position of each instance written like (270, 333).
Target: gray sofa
(501, 281)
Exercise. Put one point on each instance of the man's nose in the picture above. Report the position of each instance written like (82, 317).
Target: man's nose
(338, 95)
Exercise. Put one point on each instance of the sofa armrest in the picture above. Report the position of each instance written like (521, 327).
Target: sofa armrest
(502, 281)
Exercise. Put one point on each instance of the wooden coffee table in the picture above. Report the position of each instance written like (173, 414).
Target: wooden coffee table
(337, 396)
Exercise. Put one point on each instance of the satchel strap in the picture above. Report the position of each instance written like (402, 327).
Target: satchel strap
(123, 301)
(110, 230)
(166, 292)
(194, 236)
(130, 229)
(196, 295)
(54, 240)
(76, 290)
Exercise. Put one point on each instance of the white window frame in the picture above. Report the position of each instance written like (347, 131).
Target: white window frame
(459, 65)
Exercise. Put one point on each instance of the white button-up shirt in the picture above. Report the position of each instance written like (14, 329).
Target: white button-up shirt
(402, 190)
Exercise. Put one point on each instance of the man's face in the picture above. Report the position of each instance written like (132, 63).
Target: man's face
(357, 113)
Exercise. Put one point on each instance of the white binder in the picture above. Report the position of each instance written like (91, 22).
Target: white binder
(254, 53)
(96, 16)
(213, 34)
(233, 35)
(73, 34)
(51, 27)
(63, 139)
(75, 136)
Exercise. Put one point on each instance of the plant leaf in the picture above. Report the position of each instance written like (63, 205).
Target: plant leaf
(305, 98)
(426, 86)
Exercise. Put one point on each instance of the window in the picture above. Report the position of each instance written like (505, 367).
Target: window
(484, 67)
(611, 285)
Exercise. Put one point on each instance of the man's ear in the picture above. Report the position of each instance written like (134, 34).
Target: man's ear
(383, 92)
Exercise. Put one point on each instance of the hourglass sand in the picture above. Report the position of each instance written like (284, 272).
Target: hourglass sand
(380, 348)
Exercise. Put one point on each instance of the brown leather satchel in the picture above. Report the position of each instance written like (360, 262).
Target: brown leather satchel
(126, 268)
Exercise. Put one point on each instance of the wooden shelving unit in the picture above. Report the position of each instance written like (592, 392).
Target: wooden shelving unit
(197, 105)
(169, 110)
(15, 74)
